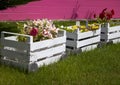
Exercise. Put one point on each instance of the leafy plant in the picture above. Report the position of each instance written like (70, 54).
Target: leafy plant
(104, 16)
(39, 29)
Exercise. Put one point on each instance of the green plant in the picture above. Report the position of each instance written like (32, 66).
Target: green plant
(104, 16)
(39, 29)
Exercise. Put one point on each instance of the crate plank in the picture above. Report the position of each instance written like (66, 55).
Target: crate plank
(12, 55)
(13, 44)
(47, 43)
(47, 52)
(49, 60)
(88, 41)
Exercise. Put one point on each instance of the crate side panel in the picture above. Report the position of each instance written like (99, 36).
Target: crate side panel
(15, 44)
(15, 56)
(48, 61)
(88, 41)
(114, 28)
(88, 34)
(48, 43)
(15, 64)
(47, 52)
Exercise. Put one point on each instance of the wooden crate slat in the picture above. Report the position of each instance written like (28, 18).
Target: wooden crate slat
(88, 34)
(49, 60)
(48, 43)
(114, 35)
(18, 45)
(88, 48)
(15, 64)
(72, 35)
(47, 52)
(116, 40)
(15, 55)
(88, 41)
(112, 29)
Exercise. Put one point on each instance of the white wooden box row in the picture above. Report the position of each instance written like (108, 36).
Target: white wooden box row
(31, 55)
(82, 41)
(110, 34)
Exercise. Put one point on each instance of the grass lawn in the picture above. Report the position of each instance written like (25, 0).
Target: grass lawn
(97, 67)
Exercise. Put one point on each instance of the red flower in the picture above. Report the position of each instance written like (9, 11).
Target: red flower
(104, 10)
(108, 15)
(94, 15)
(102, 15)
(112, 11)
(34, 32)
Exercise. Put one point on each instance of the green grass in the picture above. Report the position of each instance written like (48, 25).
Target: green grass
(97, 67)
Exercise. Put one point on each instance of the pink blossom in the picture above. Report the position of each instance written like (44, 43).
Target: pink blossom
(34, 32)
(47, 33)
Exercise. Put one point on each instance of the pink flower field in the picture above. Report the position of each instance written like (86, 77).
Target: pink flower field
(60, 9)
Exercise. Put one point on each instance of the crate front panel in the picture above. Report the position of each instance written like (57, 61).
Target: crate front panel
(21, 65)
(78, 35)
(38, 50)
(49, 60)
(13, 43)
(47, 52)
(47, 43)
(114, 32)
(88, 34)
(89, 41)
(77, 40)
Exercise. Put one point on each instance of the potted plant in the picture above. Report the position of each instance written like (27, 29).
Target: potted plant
(38, 43)
(108, 33)
(82, 37)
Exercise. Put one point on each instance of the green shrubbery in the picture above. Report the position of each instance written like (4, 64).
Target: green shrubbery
(8, 26)
(11, 3)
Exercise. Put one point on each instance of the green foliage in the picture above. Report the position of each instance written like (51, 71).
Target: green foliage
(11, 3)
(68, 23)
(8, 26)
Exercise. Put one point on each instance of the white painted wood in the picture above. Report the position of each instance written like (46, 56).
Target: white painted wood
(71, 43)
(48, 43)
(72, 35)
(20, 65)
(18, 45)
(16, 56)
(114, 35)
(47, 52)
(88, 41)
(48, 60)
(115, 28)
(42, 52)
(90, 47)
(88, 34)
(78, 40)
(109, 34)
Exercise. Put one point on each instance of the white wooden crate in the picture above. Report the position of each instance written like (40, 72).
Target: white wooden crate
(31, 55)
(110, 34)
(77, 41)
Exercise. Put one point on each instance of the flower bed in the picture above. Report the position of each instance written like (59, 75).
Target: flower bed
(39, 43)
(80, 38)
(31, 55)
